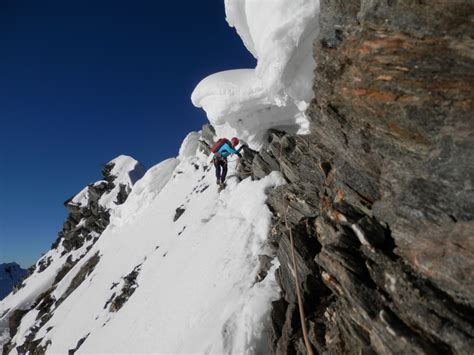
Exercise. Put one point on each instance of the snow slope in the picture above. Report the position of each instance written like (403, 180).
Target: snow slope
(196, 289)
(247, 102)
(193, 287)
(125, 170)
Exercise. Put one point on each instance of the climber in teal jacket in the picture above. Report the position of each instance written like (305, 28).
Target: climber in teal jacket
(220, 158)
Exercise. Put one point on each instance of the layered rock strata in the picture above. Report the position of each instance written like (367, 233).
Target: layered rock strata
(380, 196)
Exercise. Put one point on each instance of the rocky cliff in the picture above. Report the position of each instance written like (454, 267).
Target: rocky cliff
(380, 195)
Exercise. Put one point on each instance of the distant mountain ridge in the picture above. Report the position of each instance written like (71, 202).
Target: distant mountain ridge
(10, 274)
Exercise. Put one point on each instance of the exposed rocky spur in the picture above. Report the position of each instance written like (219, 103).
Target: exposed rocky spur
(59, 272)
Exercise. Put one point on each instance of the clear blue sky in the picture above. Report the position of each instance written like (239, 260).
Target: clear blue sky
(84, 81)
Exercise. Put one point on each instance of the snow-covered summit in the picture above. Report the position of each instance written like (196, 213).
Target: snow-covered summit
(126, 170)
(247, 102)
(123, 171)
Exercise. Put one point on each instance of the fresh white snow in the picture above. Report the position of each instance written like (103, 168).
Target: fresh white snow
(127, 171)
(247, 102)
(82, 197)
(197, 289)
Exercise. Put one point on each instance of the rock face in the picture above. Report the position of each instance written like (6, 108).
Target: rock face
(380, 196)
(87, 219)
(88, 216)
(10, 275)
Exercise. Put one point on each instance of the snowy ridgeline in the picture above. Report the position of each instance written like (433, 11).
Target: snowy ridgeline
(162, 262)
(193, 278)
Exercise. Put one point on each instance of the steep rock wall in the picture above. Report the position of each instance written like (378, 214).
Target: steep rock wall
(380, 197)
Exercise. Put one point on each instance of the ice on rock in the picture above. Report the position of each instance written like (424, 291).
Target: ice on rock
(247, 102)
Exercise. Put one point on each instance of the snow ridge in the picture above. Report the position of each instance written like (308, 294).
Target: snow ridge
(151, 282)
(89, 214)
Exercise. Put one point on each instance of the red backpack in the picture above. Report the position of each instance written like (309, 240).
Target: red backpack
(220, 142)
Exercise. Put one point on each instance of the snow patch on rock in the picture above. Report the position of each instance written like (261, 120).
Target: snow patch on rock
(126, 171)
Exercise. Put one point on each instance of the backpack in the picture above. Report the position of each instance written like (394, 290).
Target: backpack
(220, 142)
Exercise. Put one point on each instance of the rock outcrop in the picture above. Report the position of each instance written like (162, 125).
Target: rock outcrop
(380, 195)
(87, 218)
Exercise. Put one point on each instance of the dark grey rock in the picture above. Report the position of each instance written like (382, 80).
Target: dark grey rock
(179, 212)
(85, 270)
(128, 288)
(78, 345)
(265, 263)
(44, 263)
(380, 194)
(208, 134)
(123, 194)
(208, 137)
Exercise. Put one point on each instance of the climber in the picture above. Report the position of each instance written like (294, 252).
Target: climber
(222, 149)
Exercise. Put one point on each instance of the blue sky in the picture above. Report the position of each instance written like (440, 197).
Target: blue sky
(82, 82)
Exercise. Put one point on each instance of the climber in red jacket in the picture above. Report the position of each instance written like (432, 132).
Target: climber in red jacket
(222, 149)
